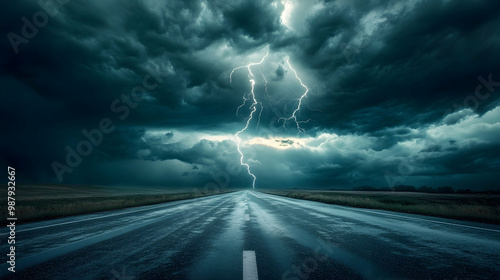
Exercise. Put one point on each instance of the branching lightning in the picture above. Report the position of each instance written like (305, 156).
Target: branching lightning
(238, 139)
(294, 114)
(253, 108)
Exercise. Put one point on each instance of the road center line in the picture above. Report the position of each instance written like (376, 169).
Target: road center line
(250, 266)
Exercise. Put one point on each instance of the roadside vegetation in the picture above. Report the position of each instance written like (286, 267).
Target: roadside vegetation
(472, 207)
(36, 204)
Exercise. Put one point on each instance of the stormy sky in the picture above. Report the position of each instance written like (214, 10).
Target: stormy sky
(139, 93)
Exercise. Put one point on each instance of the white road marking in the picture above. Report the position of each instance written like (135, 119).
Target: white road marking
(50, 254)
(432, 221)
(247, 217)
(122, 212)
(301, 204)
(250, 266)
(88, 219)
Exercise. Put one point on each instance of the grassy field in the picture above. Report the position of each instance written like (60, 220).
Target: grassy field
(472, 207)
(35, 203)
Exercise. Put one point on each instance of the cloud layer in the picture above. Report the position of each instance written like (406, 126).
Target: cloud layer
(399, 93)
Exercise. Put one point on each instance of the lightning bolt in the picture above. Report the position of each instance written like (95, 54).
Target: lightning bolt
(265, 87)
(253, 108)
(260, 113)
(294, 114)
(245, 99)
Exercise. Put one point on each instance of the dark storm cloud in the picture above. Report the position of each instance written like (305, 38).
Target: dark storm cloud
(285, 142)
(383, 75)
(424, 57)
(279, 73)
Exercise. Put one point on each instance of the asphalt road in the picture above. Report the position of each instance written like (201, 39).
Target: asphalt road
(250, 235)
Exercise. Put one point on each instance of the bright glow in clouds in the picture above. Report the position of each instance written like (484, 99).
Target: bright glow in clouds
(469, 128)
(309, 143)
(277, 143)
(343, 157)
(287, 13)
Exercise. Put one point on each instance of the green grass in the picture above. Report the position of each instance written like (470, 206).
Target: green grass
(471, 207)
(36, 203)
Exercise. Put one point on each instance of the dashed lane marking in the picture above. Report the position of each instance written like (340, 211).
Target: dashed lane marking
(250, 266)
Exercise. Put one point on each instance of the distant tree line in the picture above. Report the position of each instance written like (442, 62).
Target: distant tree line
(424, 189)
